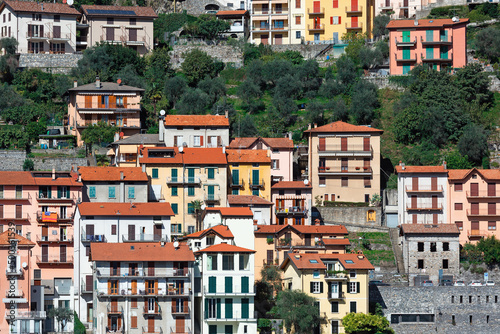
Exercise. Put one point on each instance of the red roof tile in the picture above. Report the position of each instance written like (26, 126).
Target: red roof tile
(232, 212)
(420, 169)
(125, 209)
(247, 156)
(22, 241)
(139, 11)
(336, 241)
(326, 230)
(16, 178)
(291, 185)
(225, 248)
(396, 24)
(303, 261)
(112, 174)
(340, 126)
(196, 120)
(428, 228)
(247, 200)
(222, 230)
(268, 229)
(40, 7)
(189, 156)
(247, 142)
(140, 251)
(231, 12)
(29, 179)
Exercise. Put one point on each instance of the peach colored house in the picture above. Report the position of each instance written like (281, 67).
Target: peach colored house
(112, 103)
(441, 44)
(272, 242)
(293, 200)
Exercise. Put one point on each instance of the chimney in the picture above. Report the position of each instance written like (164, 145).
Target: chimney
(444, 164)
(143, 168)
(315, 125)
(223, 149)
(121, 175)
(119, 82)
(53, 173)
(97, 82)
(226, 113)
(161, 126)
(75, 83)
(290, 135)
(309, 126)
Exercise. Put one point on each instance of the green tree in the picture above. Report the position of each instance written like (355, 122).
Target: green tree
(23, 114)
(355, 42)
(34, 129)
(298, 311)
(383, 47)
(198, 64)
(274, 70)
(244, 127)
(267, 289)
(36, 85)
(364, 100)
(346, 71)
(62, 316)
(370, 57)
(215, 88)
(175, 87)
(488, 43)
(129, 76)
(79, 326)
(193, 101)
(287, 86)
(9, 44)
(339, 110)
(248, 91)
(315, 112)
(166, 24)
(379, 25)
(473, 143)
(197, 204)
(454, 160)
(210, 27)
(474, 84)
(360, 323)
(28, 165)
(98, 133)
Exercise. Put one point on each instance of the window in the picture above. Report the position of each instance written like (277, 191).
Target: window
(244, 262)
(354, 287)
(492, 225)
(352, 274)
(190, 229)
(322, 181)
(446, 246)
(57, 18)
(155, 173)
(131, 192)
(353, 308)
(176, 228)
(111, 192)
(133, 321)
(297, 19)
(173, 191)
(190, 190)
(460, 225)
(256, 165)
(275, 164)
(211, 173)
(345, 182)
(297, 34)
(458, 206)
(210, 313)
(316, 274)
(335, 307)
(212, 262)
(196, 141)
(316, 287)
(210, 241)
(190, 208)
(228, 262)
(335, 20)
(420, 264)
(433, 247)
(175, 208)
(113, 229)
(420, 246)
(297, 3)
(445, 263)
(458, 186)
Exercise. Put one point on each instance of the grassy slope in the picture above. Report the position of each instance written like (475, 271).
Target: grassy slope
(379, 256)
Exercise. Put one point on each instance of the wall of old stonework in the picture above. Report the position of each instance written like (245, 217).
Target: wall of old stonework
(351, 215)
(13, 161)
(197, 7)
(224, 53)
(455, 309)
(55, 63)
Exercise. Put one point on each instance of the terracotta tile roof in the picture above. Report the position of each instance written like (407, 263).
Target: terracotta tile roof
(40, 7)
(232, 212)
(268, 229)
(112, 174)
(105, 86)
(222, 230)
(16, 178)
(139, 11)
(225, 248)
(247, 200)
(291, 185)
(460, 174)
(315, 261)
(189, 156)
(395, 24)
(430, 229)
(4, 240)
(29, 179)
(336, 241)
(231, 12)
(196, 120)
(247, 156)
(246, 142)
(303, 229)
(420, 169)
(340, 126)
(125, 209)
(140, 251)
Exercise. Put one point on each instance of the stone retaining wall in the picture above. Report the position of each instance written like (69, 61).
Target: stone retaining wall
(224, 53)
(55, 63)
(13, 161)
(354, 216)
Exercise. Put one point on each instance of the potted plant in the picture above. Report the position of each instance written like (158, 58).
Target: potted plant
(270, 240)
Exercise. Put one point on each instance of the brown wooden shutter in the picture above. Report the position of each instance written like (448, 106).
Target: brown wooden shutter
(322, 144)
(492, 208)
(434, 183)
(88, 282)
(474, 208)
(434, 202)
(474, 226)
(133, 321)
(30, 31)
(175, 141)
(156, 287)
(326, 197)
(119, 323)
(414, 183)
(88, 101)
(41, 32)
(270, 256)
(492, 189)
(112, 101)
(125, 102)
(185, 306)
(109, 323)
(413, 202)
(174, 304)
(1, 210)
(133, 301)
(278, 164)
(435, 218)
(19, 211)
(109, 287)
(343, 144)
(366, 144)
(201, 141)
(57, 31)
(474, 189)
(414, 219)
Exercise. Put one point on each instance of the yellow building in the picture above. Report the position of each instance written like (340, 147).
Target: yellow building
(339, 282)
(183, 176)
(250, 172)
(329, 20)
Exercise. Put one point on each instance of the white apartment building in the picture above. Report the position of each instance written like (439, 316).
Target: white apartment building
(39, 27)
(238, 219)
(112, 223)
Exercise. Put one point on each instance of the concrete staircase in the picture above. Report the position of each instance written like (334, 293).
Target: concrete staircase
(398, 252)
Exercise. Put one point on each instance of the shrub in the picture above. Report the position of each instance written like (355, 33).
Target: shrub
(28, 165)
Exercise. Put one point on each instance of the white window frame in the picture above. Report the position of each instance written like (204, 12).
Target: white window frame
(335, 20)
(316, 287)
(196, 141)
(353, 287)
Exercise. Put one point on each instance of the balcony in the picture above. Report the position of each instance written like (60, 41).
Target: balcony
(138, 40)
(316, 11)
(86, 124)
(114, 309)
(239, 183)
(483, 213)
(336, 296)
(447, 58)
(18, 197)
(114, 329)
(55, 239)
(236, 290)
(345, 151)
(14, 271)
(440, 41)
(25, 217)
(257, 183)
(144, 272)
(180, 310)
(316, 27)
(53, 217)
(407, 59)
(345, 171)
(183, 180)
(212, 198)
(292, 211)
(420, 221)
(105, 108)
(279, 12)
(177, 292)
(385, 6)
(409, 42)
(354, 26)
(180, 330)
(84, 288)
(426, 206)
(110, 39)
(36, 36)
(55, 260)
(236, 316)
(478, 234)
(25, 314)
(154, 312)
(92, 237)
(50, 200)
(144, 238)
(152, 330)
(261, 28)
(483, 195)
(356, 10)
(260, 12)
(278, 27)
(332, 275)
(424, 189)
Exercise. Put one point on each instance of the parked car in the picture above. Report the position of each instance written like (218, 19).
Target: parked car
(446, 282)
(490, 283)
(376, 282)
(427, 283)
(475, 283)
(459, 283)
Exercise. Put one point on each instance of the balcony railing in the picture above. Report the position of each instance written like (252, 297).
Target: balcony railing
(26, 314)
(92, 237)
(16, 293)
(220, 289)
(424, 189)
(54, 238)
(403, 58)
(180, 309)
(85, 288)
(144, 238)
(257, 183)
(448, 57)
(420, 221)
(483, 194)
(353, 26)
(44, 197)
(484, 212)
(52, 217)
(353, 10)
(316, 27)
(335, 275)
(183, 180)
(366, 171)
(440, 41)
(212, 198)
(477, 234)
(349, 150)
(293, 210)
(316, 11)
(14, 271)
(178, 292)
(180, 330)
(153, 330)
(424, 206)
(108, 272)
(114, 309)
(240, 183)
(54, 259)
(114, 329)
(22, 217)
(17, 197)
(155, 311)
(333, 296)
(406, 43)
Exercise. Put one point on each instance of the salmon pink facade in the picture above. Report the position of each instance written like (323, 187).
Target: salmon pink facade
(440, 44)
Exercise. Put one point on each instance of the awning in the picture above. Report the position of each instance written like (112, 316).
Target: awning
(124, 149)
(111, 152)
(99, 111)
(124, 94)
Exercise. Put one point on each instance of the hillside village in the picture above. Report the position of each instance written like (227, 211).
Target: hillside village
(270, 166)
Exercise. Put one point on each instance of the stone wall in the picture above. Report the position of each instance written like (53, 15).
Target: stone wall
(55, 63)
(356, 216)
(455, 309)
(197, 7)
(13, 161)
(224, 53)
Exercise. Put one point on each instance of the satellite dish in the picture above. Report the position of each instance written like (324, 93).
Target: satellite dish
(25, 265)
(203, 206)
(70, 2)
(162, 112)
(306, 182)
(181, 149)
(176, 244)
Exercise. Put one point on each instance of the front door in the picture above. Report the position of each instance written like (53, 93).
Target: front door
(110, 34)
(131, 232)
(157, 232)
(264, 39)
(180, 325)
(278, 39)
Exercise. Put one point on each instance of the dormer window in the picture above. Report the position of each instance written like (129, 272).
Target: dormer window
(210, 241)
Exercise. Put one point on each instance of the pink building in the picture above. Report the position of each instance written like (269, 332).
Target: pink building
(293, 201)
(439, 43)
(281, 154)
